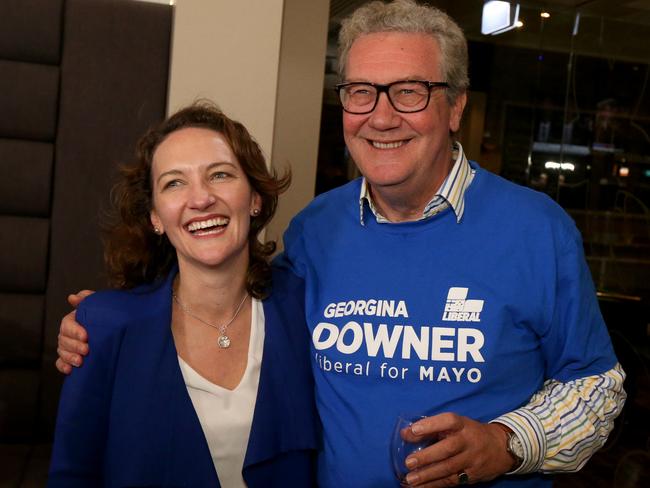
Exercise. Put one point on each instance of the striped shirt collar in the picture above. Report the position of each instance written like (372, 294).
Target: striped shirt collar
(450, 194)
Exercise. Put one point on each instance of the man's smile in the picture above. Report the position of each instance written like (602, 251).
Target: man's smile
(388, 145)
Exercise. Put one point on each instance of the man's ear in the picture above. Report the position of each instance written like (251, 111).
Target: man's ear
(456, 112)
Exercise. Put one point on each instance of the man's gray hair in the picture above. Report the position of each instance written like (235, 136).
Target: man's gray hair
(409, 16)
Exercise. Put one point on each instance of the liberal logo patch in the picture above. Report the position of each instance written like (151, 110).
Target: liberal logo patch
(459, 309)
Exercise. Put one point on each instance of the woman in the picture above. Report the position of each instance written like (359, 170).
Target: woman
(191, 360)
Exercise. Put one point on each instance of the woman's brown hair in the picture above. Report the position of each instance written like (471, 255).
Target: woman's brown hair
(134, 254)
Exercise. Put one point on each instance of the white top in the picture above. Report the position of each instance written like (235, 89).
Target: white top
(226, 415)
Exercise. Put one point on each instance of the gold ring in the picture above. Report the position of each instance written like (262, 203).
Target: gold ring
(463, 478)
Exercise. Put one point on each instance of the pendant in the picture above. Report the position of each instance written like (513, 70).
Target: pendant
(224, 341)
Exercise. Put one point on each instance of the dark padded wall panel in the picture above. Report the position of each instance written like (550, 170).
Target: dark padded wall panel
(114, 71)
(26, 168)
(21, 321)
(30, 30)
(23, 254)
(18, 402)
(14, 460)
(28, 100)
(30, 53)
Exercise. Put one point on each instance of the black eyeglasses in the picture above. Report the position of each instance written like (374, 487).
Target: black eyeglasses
(407, 96)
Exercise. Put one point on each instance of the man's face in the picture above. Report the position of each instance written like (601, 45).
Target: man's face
(407, 153)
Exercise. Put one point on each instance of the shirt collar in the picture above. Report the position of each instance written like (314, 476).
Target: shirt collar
(450, 194)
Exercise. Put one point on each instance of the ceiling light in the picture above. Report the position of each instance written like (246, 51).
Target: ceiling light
(499, 16)
(562, 166)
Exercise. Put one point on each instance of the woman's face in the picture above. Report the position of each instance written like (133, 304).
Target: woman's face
(202, 198)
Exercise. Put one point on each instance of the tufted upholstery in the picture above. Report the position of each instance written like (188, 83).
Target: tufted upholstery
(80, 80)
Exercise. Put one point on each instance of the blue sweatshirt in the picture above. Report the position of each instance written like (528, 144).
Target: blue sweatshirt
(434, 316)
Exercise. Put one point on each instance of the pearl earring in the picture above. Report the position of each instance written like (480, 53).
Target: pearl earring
(256, 212)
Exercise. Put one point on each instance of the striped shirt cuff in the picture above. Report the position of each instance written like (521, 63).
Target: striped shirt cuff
(530, 431)
(563, 424)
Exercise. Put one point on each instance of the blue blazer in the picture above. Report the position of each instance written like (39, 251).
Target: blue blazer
(126, 419)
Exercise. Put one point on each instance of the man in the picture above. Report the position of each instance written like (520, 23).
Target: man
(438, 289)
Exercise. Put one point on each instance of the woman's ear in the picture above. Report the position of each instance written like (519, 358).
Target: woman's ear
(256, 204)
(156, 223)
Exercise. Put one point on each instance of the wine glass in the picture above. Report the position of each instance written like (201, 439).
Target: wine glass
(401, 449)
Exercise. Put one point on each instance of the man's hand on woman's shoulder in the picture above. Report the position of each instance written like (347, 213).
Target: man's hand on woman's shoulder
(73, 338)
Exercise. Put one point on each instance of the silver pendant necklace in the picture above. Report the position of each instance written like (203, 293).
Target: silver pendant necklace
(223, 341)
